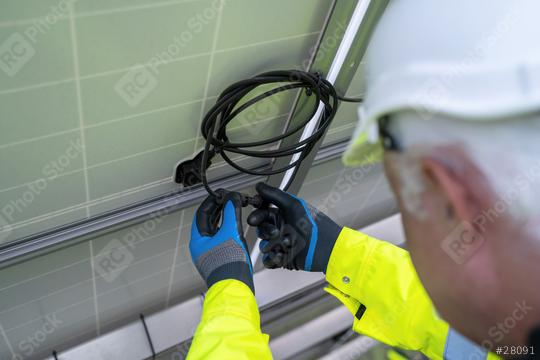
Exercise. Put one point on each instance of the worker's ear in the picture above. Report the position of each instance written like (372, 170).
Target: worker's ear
(460, 181)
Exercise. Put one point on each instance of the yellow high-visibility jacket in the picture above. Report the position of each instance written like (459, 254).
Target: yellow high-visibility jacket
(374, 279)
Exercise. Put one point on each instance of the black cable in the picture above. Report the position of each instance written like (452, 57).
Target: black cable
(226, 108)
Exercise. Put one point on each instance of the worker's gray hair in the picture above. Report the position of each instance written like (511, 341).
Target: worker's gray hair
(506, 151)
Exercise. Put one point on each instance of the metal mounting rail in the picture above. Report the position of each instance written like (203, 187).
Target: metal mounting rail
(86, 229)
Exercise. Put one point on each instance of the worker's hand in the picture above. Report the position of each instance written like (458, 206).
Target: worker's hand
(220, 252)
(294, 235)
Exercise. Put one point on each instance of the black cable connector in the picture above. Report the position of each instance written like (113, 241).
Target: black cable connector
(188, 172)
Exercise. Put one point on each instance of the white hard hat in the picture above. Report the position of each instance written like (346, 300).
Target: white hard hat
(476, 60)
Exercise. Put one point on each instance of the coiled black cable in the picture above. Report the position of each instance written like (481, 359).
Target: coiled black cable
(214, 124)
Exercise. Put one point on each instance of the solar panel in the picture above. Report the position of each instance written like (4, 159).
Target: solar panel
(99, 99)
(91, 121)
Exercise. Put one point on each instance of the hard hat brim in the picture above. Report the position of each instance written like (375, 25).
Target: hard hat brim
(471, 94)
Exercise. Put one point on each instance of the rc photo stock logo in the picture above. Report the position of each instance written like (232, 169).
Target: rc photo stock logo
(113, 259)
(462, 242)
(141, 79)
(15, 52)
(118, 254)
(136, 84)
(32, 343)
(19, 48)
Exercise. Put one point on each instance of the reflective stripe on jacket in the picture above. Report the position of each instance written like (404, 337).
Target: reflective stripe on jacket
(374, 279)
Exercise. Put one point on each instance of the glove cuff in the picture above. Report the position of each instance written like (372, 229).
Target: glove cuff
(325, 247)
(239, 270)
(328, 232)
(227, 260)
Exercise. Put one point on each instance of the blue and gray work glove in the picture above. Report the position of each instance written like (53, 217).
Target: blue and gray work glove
(294, 234)
(220, 252)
